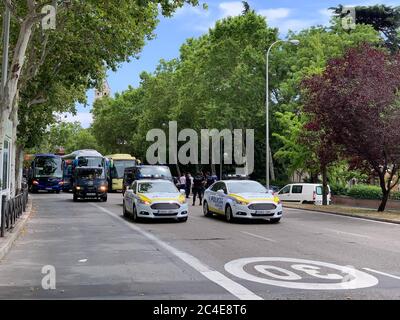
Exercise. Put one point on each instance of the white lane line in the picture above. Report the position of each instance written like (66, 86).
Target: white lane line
(231, 286)
(348, 233)
(382, 273)
(338, 215)
(257, 236)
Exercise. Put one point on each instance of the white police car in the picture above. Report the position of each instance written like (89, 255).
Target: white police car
(241, 199)
(155, 199)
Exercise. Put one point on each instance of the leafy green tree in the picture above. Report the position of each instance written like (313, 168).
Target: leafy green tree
(382, 18)
(48, 65)
(292, 65)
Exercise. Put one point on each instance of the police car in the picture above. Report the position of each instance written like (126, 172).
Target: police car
(155, 199)
(241, 199)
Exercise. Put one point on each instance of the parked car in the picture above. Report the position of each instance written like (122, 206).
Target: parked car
(303, 193)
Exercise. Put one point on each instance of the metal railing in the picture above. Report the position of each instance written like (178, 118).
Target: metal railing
(11, 210)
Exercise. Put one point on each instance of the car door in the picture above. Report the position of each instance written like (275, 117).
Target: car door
(130, 197)
(296, 194)
(284, 193)
(213, 195)
(220, 197)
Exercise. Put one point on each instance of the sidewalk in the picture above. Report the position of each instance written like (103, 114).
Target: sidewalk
(391, 216)
(10, 237)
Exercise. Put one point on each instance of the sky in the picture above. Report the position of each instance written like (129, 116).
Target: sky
(190, 22)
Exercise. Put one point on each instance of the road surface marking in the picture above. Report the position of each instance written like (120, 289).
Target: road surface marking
(342, 278)
(348, 233)
(257, 236)
(231, 286)
(342, 216)
(382, 273)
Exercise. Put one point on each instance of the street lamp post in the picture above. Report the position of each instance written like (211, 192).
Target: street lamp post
(294, 42)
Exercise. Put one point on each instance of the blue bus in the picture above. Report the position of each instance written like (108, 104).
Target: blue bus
(46, 173)
(80, 158)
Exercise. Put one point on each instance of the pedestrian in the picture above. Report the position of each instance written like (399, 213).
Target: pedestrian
(198, 187)
(209, 180)
(188, 185)
(182, 182)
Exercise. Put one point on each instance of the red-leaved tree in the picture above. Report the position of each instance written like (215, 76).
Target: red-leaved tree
(357, 100)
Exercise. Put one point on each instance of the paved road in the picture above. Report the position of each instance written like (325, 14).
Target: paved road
(98, 254)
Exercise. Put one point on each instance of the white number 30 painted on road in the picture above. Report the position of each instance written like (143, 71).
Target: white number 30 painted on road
(347, 278)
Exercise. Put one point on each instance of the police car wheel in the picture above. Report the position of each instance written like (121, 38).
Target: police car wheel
(134, 214)
(206, 211)
(124, 211)
(228, 214)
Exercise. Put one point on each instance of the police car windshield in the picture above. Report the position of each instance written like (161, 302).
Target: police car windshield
(152, 187)
(246, 187)
(155, 172)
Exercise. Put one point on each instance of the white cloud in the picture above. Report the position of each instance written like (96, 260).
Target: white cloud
(85, 118)
(275, 14)
(231, 8)
(189, 10)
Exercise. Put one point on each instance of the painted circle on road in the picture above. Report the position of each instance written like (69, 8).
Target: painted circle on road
(271, 273)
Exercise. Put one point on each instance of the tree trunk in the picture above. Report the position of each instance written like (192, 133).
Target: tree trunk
(385, 198)
(324, 186)
(9, 93)
(19, 165)
(385, 191)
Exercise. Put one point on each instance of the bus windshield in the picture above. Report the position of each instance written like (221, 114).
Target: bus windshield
(47, 167)
(119, 168)
(89, 173)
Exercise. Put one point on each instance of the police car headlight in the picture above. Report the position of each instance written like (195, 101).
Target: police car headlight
(182, 199)
(78, 188)
(277, 200)
(103, 188)
(145, 202)
(241, 202)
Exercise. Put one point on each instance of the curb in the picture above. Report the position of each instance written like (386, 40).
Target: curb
(10, 237)
(348, 215)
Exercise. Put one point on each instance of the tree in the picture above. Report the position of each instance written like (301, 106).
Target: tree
(124, 113)
(69, 136)
(89, 36)
(383, 18)
(356, 99)
(290, 66)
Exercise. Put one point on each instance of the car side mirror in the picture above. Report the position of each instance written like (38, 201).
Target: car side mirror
(221, 191)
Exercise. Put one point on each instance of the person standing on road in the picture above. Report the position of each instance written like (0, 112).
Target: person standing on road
(198, 187)
(188, 184)
(209, 180)
(182, 182)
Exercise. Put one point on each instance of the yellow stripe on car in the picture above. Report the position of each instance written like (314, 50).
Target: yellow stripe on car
(247, 201)
(147, 199)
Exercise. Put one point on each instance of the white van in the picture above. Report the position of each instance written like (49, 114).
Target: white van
(303, 193)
